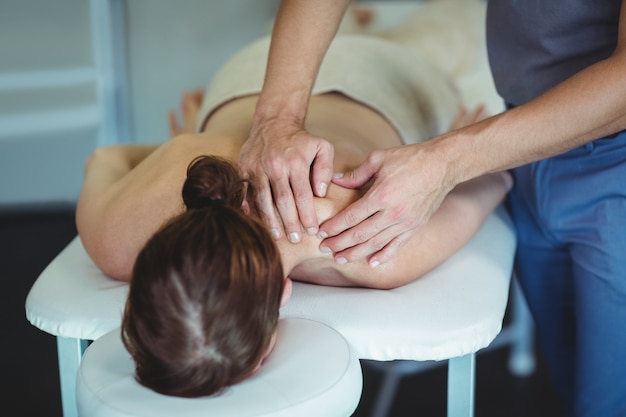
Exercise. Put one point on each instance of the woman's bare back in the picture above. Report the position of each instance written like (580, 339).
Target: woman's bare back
(357, 132)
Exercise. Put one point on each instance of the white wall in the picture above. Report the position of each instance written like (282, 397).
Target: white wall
(183, 51)
(172, 45)
(40, 164)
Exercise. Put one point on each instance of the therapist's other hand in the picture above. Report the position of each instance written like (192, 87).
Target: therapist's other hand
(287, 166)
(408, 186)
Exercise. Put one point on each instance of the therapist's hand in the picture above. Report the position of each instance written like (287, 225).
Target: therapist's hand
(287, 166)
(409, 184)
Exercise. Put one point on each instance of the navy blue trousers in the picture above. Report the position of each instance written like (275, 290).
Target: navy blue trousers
(570, 216)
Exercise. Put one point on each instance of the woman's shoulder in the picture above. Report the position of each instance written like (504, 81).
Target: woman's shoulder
(320, 268)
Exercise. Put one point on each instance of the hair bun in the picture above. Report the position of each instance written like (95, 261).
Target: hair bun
(212, 181)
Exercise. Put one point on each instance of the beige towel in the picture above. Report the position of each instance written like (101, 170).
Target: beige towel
(417, 99)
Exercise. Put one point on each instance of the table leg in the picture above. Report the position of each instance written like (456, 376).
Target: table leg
(69, 351)
(461, 380)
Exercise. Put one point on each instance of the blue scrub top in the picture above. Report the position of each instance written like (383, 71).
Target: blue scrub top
(535, 44)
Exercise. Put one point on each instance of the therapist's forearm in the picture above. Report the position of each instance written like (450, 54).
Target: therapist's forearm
(589, 105)
(302, 33)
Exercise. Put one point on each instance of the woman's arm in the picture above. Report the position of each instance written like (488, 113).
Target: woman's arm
(104, 168)
(130, 191)
(107, 165)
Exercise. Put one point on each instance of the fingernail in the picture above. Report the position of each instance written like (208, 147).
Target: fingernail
(322, 234)
(294, 237)
(321, 189)
(338, 175)
(325, 249)
(275, 232)
(311, 230)
(374, 263)
(341, 260)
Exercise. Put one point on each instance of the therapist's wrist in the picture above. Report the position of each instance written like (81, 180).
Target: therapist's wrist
(449, 154)
(272, 122)
(288, 108)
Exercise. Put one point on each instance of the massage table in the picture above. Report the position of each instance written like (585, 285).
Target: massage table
(448, 315)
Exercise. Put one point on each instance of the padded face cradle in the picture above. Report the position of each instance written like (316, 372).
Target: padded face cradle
(311, 372)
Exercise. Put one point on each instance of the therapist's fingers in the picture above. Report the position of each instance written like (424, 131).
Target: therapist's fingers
(375, 250)
(303, 199)
(361, 174)
(353, 225)
(360, 210)
(265, 202)
(322, 168)
(292, 175)
(376, 241)
(309, 175)
(390, 250)
(285, 201)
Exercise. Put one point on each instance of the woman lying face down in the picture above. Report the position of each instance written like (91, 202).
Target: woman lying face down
(205, 291)
(206, 276)
(207, 286)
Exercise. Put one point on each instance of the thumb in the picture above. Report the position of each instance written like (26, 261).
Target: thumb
(358, 176)
(322, 170)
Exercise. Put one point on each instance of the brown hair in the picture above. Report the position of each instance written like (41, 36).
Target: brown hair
(205, 290)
